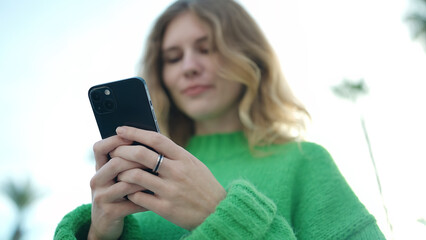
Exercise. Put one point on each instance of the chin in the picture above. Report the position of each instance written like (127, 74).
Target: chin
(199, 116)
(199, 111)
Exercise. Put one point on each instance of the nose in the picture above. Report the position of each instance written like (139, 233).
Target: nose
(191, 65)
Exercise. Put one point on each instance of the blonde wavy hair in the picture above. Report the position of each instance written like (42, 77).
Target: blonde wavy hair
(268, 110)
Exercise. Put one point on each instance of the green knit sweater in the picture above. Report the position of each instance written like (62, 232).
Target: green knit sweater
(293, 192)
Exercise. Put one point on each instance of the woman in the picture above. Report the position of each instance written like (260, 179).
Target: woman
(217, 91)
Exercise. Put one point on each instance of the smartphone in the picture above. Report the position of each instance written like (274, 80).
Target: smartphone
(122, 103)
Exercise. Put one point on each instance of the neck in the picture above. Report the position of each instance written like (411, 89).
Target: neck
(226, 123)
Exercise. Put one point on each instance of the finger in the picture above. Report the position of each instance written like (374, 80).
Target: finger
(147, 201)
(137, 153)
(157, 141)
(121, 209)
(121, 189)
(127, 207)
(144, 179)
(115, 193)
(103, 147)
(107, 174)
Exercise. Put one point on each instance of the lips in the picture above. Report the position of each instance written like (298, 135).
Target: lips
(196, 90)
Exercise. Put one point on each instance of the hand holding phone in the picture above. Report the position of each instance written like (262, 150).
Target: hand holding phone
(120, 103)
(123, 103)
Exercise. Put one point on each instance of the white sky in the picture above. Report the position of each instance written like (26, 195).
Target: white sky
(51, 52)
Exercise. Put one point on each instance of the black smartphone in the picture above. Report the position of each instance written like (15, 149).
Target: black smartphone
(122, 103)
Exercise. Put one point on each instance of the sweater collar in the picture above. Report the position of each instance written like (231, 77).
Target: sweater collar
(218, 144)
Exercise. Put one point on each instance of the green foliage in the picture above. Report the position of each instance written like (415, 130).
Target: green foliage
(417, 20)
(23, 195)
(351, 90)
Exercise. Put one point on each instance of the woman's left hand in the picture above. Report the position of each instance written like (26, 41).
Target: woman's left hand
(186, 192)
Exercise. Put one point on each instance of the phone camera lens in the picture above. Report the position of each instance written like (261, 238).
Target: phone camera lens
(109, 104)
(95, 96)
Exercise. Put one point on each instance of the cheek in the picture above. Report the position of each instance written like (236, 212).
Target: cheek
(234, 89)
(230, 94)
(168, 79)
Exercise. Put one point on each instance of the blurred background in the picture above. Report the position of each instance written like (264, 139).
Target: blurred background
(356, 64)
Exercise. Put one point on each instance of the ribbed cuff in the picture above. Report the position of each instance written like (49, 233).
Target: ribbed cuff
(245, 213)
(76, 225)
(131, 230)
(371, 231)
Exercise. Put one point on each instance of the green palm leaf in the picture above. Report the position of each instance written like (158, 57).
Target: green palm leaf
(22, 195)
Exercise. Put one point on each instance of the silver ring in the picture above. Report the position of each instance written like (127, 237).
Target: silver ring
(159, 161)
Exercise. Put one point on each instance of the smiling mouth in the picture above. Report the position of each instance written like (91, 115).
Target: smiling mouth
(196, 90)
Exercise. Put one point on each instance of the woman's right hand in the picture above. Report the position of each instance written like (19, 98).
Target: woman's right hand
(109, 205)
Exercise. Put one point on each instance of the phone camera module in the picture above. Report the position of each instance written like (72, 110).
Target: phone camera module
(103, 100)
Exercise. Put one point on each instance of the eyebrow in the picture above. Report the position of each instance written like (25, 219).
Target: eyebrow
(202, 39)
(198, 41)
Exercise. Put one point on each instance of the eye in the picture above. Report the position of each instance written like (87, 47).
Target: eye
(172, 60)
(172, 57)
(204, 50)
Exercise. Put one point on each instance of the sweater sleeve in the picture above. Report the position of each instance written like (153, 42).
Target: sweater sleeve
(244, 214)
(325, 205)
(76, 224)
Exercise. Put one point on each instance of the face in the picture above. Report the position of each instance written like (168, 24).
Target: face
(190, 71)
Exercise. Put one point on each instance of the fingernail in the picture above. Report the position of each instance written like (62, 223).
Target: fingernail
(120, 130)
